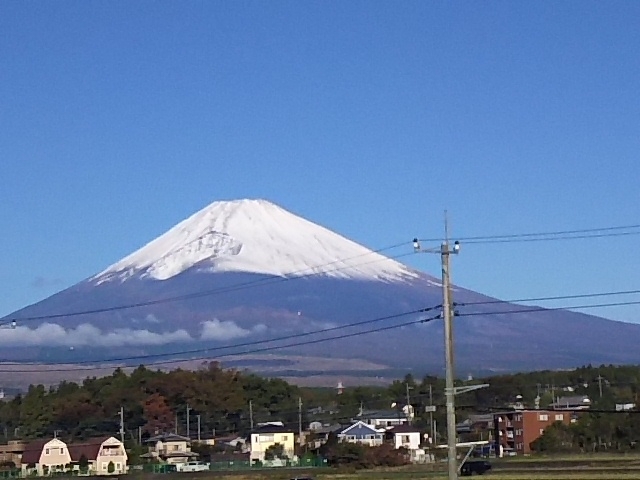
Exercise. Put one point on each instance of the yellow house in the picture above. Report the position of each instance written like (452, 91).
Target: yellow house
(269, 435)
(45, 457)
(100, 452)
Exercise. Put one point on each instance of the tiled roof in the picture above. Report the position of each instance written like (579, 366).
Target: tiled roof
(89, 448)
(33, 451)
(404, 428)
(168, 437)
(272, 429)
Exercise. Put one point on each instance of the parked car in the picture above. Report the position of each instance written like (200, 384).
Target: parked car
(474, 466)
(193, 467)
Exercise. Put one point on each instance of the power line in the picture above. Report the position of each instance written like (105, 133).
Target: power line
(257, 350)
(553, 297)
(308, 342)
(613, 232)
(251, 343)
(232, 288)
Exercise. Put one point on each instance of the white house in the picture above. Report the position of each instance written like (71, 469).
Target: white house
(170, 448)
(269, 435)
(382, 418)
(405, 436)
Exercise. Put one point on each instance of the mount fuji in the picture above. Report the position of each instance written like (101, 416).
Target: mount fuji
(248, 271)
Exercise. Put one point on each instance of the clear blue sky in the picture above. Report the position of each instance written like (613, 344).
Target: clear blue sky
(118, 119)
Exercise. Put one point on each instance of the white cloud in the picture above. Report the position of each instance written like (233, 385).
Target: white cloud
(225, 330)
(54, 335)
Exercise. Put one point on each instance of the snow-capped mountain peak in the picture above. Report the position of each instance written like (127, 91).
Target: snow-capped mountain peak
(254, 236)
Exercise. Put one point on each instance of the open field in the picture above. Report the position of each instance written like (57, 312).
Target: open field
(579, 467)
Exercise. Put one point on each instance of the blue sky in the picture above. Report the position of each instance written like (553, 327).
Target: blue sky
(118, 119)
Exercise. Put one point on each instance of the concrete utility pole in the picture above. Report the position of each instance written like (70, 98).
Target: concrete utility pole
(447, 307)
(188, 420)
(300, 420)
(199, 427)
(432, 430)
(600, 384)
(251, 413)
(446, 251)
(408, 403)
(122, 424)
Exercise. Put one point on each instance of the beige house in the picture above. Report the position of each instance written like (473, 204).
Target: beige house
(45, 457)
(269, 435)
(170, 448)
(100, 453)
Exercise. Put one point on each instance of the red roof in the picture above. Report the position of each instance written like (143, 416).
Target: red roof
(89, 448)
(33, 451)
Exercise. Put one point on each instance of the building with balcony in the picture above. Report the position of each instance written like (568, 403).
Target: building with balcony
(170, 448)
(515, 430)
(269, 435)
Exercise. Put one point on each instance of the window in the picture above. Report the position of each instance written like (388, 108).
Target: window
(559, 417)
(118, 466)
(46, 452)
(284, 438)
(405, 439)
(62, 451)
(543, 417)
(104, 466)
(541, 431)
(518, 418)
(265, 438)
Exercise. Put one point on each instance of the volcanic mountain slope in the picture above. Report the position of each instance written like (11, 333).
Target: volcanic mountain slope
(246, 271)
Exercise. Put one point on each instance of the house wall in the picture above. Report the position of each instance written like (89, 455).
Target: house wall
(260, 442)
(361, 433)
(111, 450)
(410, 440)
(55, 456)
(534, 423)
(516, 430)
(162, 448)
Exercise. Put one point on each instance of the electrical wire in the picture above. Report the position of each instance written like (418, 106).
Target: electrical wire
(253, 351)
(553, 297)
(613, 232)
(308, 342)
(232, 288)
(251, 343)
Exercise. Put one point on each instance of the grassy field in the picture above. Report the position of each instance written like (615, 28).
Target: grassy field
(579, 467)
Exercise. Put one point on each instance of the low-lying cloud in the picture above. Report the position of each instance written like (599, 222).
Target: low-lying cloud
(87, 335)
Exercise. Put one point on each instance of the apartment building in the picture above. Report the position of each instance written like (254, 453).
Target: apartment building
(515, 430)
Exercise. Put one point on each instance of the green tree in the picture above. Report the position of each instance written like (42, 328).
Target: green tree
(275, 451)
(111, 467)
(83, 464)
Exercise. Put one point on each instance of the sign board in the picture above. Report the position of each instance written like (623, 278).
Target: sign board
(430, 408)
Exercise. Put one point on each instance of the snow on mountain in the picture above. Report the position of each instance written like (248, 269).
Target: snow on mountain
(254, 236)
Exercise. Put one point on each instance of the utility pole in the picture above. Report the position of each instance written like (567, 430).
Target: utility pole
(449, 391)
(139, 435)
(431, 415)
(300, 420)
(199, 427)
(122, 424)
(408, 403)
(251, 413)
(175, 425)
(600, 384)
(447, 308)
(188, 420)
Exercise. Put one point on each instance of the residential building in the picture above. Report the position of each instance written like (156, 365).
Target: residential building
(405, 436)
(574, 402)
(45, 457)
(515, 430)
(382, 418)
(100, 452)
(170, 448)
(266, 436)
(363, 433)
(12, 451)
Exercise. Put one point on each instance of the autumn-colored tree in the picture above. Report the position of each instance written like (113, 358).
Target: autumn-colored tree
(157, 414)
